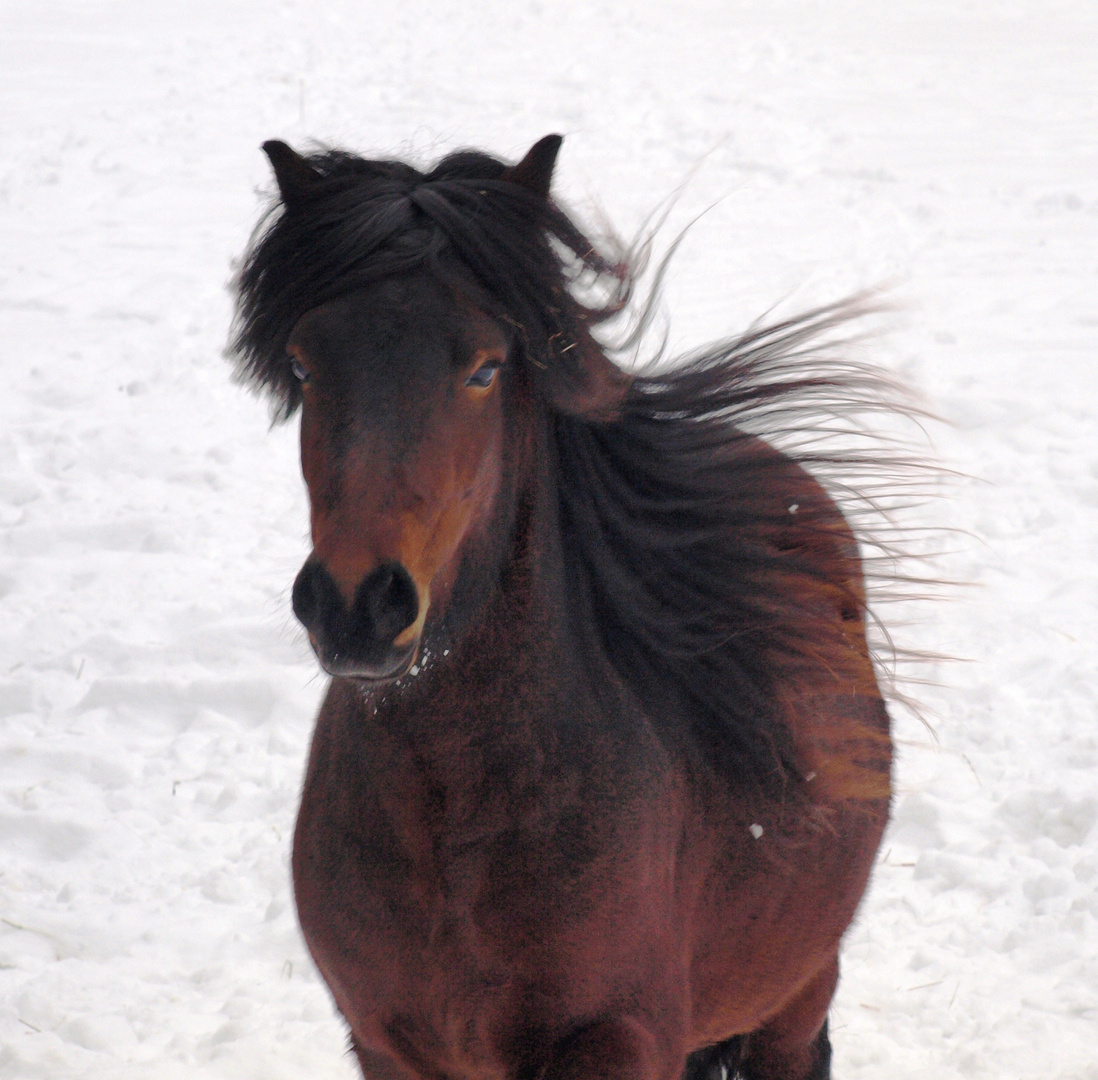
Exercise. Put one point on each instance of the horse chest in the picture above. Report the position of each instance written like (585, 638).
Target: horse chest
(463, 890)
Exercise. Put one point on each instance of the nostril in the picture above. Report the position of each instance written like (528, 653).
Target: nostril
(315, 595)
(374, 594)
(303, 597)
(389, 600)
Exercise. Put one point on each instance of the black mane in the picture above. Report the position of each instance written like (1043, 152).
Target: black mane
(718, 530)
(711, 565)
(365, 220)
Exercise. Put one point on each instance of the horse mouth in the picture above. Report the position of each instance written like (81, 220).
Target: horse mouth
(372, 670)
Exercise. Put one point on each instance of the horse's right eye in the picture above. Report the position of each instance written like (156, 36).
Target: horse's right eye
(484, 375)
(301, 372)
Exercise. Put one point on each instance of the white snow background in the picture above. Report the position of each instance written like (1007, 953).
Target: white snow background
(156, 695)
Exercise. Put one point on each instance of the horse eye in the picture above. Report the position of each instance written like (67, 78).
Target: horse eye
(484, 375)
(301, 372)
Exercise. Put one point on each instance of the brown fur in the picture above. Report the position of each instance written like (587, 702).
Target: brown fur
(615, 820)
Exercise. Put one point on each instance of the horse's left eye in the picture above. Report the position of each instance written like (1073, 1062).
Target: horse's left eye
(484, 375)
(301, 372)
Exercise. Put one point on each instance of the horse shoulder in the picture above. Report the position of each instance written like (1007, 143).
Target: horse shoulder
(831, 701)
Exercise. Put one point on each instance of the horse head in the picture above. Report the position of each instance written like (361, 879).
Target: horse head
(417, 370)
(402, 452)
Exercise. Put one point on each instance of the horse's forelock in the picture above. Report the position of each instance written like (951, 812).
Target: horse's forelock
(364, 220)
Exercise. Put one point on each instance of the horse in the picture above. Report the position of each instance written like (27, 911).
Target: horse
(603, 765)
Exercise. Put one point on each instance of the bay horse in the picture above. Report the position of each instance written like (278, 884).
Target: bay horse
(603, 764)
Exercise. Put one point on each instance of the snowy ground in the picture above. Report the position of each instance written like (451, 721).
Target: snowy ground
(155, 695)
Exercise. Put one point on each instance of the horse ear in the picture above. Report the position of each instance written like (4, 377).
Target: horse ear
(293, 174)
(535, 171)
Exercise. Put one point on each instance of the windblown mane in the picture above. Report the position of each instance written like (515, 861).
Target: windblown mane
(718, 531)
(710, 564)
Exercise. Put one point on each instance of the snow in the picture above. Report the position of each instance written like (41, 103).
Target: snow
(156, 696)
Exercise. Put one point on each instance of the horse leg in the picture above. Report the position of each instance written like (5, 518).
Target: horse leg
(718, 1062)
(793, 1045)
(617, 1049)
(376, 1066)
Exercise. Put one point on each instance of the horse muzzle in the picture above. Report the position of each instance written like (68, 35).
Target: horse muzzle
(377, 637)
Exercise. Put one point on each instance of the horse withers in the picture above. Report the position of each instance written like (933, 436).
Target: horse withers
(603, 766)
